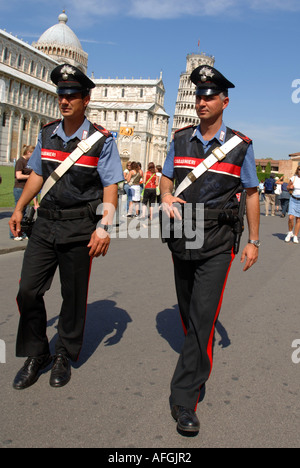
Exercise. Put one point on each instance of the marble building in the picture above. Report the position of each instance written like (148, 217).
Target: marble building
(28, 99)
(134, 110)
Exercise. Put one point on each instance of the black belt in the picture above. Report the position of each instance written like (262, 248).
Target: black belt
(76, 213)
(214, 214)
(295, 197)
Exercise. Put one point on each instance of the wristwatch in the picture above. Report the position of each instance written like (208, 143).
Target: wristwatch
(254, 242)
(108, 228)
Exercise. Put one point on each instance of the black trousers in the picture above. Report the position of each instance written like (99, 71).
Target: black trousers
(200, 286)
(41, 259)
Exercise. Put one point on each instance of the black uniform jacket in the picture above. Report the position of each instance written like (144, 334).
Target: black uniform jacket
(77, 188)
(216, 189)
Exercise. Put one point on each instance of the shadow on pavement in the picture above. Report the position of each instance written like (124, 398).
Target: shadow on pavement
(104, 321)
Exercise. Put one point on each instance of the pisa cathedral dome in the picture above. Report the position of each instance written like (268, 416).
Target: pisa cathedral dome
(62, 44)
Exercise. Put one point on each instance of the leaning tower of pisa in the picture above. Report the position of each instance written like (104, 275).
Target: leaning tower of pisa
(185, 113)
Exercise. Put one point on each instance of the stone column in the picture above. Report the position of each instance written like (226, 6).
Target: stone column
(9, 138)
(20, 134)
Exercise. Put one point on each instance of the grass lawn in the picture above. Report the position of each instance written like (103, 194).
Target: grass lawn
(6, 187)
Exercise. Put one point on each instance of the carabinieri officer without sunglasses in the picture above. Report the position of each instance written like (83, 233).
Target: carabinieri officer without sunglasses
(201, 272)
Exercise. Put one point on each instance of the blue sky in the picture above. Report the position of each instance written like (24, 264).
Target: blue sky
(255, 44)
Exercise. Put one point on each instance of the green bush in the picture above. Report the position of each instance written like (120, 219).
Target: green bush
(265, 175)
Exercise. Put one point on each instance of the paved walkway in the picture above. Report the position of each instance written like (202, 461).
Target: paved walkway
(118, 397)
(6, 244)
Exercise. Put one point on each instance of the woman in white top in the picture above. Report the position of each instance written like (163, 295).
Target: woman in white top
(134, 178)
(294, 207)
(158, 175)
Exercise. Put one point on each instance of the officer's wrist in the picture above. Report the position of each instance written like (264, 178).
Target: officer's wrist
(106, 227)
(165, 195)
(254, 242)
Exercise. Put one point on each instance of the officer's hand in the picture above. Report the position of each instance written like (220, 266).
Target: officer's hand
(169, 208)
(15, 223)
(99, 243)
(250, 253)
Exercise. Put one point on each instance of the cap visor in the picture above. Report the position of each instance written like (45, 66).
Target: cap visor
(208, 91)
(69, 90)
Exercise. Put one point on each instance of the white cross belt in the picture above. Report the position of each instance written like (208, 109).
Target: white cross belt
(83, 147)
(218, 154)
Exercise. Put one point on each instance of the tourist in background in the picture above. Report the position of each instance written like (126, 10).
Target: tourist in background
(134, 178)
(127, 188)
(284, 198)
(277, 192)
(142, 176)
(261, 191)
(149, 196)
(294, 208)
(22, 173)
(158, 174)
(270, 186)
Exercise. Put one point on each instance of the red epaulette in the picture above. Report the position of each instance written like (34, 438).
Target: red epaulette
(243, 137)
(102, 130)
(51, 123)
(184, 128)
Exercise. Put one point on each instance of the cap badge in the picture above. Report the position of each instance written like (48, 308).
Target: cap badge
(66, 71)
(206, 73)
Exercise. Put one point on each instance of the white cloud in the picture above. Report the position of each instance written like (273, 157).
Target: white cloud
(94, 10)
(167, 9)
(157, 9)
(171, 9)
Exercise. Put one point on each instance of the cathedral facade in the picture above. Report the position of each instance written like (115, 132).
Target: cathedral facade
(134, 111)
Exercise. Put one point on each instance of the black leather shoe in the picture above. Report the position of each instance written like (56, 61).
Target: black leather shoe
(61, 371)
(186, 418)
(31, 370)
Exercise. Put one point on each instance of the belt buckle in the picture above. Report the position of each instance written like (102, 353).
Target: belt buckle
(56, 216)
(192, 177)
(219, 156)
(84, 146)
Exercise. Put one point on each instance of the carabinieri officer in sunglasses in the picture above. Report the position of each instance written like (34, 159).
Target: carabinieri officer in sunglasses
(64, 234)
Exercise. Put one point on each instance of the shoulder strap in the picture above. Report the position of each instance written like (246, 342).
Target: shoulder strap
(83, 147)
(102, 130)
(243, 137)
(57, 121)
(184, 128)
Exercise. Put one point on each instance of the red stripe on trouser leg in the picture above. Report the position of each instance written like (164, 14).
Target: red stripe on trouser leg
(183, 326)
(210, 341)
